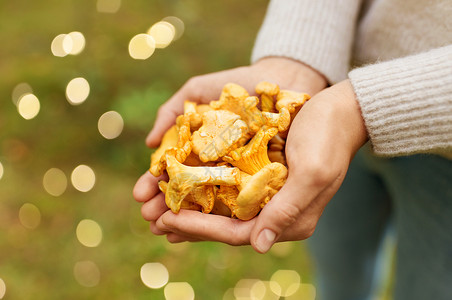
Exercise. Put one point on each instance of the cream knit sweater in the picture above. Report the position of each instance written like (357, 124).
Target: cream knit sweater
(401, 53)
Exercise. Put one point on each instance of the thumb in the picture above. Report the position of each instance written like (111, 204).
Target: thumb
(166, 117)
(280, 212)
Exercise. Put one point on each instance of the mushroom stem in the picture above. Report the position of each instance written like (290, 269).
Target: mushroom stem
(184, 179)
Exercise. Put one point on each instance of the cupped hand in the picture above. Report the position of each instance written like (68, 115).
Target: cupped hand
(287, 73)
(322, 141)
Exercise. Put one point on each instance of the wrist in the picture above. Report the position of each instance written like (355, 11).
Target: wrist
(349, 113)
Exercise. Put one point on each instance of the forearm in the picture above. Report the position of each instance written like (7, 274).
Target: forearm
(318, 33)
(407, 103)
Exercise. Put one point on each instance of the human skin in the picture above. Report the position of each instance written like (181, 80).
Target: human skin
(321, 143)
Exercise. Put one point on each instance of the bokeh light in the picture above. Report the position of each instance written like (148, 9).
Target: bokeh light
(179, 291)
(163, 33)
(83, 178)
(2, 288)
(77, 90)
(89, 233)
(57, 46)
(87, 273)
(1, 170)
(154, 275)
(178, 24)
(108, 6)
(54, 182)
(74, 43)
(20, 90)
(285, 282)
(28, 106)
(142, 46)
(29, 216)
(306, 291)
(110, 125)
(261, 291)
(282, 249)
(229, 294)
(242, 289)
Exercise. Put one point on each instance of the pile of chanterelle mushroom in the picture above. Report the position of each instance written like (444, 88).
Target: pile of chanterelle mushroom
(227, 157)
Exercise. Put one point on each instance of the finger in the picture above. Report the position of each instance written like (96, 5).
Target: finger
(155, 230)
(280, 213)
(177, 238)
(207, 227)
(154, 208)
(147, 187)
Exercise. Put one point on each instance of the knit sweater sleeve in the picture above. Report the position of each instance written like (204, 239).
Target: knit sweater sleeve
(317, 32)
(407, 103)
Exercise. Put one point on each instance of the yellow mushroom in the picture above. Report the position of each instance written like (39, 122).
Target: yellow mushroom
(202, 108)
(190, 110)
(220, 132)
(163, 186)
(267, 91)
(176, 138)
(228, 195)
(258, 189)
(277, 156)
(236, 99)
(292, 100)
(276, 143)
(253, 156)
(280, 120)
(183, 179)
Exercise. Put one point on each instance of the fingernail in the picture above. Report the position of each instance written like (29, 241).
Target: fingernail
(265, 240)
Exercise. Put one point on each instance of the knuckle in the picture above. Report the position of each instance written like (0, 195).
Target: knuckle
(320, 175)
(163, 110)
(308, 229)
(287, 214)
(146, 213)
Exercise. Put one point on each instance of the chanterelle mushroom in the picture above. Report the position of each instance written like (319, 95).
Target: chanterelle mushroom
(267, 91)
(176, 138)
(257, 190)
(190, 110)
(280, 120)
(228, 157)
(219, 133)
(184, 179)
(163, 186)
(236, 99)
(292, 100)
(253, 156)
(228, 195)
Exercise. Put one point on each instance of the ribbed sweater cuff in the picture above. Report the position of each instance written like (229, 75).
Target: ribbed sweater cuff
(317, 32)
(407, 103)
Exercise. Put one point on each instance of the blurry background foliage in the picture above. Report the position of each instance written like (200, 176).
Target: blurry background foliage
(42, 255)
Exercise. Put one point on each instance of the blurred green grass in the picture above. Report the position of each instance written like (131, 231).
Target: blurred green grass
(38, 263)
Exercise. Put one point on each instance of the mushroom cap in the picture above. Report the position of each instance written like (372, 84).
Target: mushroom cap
(253, 156)
(291, 100)
(259, 189)
(265, 87)
(220, 132)
(236, 99)
(190, 110)
(169, 140)
(202, 108)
